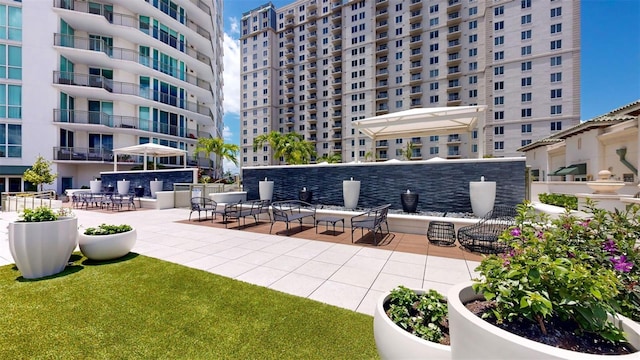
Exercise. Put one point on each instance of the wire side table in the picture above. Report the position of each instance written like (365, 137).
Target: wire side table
(441, 233)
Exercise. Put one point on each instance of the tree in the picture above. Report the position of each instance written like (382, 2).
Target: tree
(408, 151)
(331, 159)
(219, 148)
(290, 146)
(40, 173)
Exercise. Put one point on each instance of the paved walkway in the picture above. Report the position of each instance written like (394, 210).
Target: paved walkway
(340, 274)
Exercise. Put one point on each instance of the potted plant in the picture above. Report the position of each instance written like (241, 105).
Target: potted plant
(560, 278)
(42, 240)
(107, 242)
(411, 323)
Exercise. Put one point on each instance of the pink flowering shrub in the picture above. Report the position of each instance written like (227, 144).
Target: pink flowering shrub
(576, 269)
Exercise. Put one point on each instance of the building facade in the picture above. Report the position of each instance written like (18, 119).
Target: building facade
(83, 78)
(314, 66)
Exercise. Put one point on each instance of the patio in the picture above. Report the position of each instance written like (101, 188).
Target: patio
(321, 267)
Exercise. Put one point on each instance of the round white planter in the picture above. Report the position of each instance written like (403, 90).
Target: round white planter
(154, 187)
(95, 186)
(42, 248)
(474, 338)
(393, 342)
(350, 193)
(106, 247)
(482, 195)
(123, 187)
(266, 189)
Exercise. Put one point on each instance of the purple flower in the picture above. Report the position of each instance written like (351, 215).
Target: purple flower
(620, 263)
(585, 223)
(515, 232)
(610, 246)
(540, 235)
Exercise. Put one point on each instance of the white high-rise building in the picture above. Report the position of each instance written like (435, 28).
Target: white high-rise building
(80, 78)
(314, 66)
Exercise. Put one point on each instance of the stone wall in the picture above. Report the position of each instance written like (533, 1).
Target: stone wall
(442, 185)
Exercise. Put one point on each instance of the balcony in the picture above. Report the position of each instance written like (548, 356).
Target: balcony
(415, 28)
(415, 42)
(415, 4)
(416, 91)
(116, 87)
(289, 14)
(454, 86)
(289, 73)
(383, 36)
(290, 83)
(454, 59)
(336, 49)
(415, 103)
(313, 46)
(416, 54)
(313, 4)
(453, 72)
(336, 60)
(289, 43)
(381, 3)
(415, 16)
(382, 95)
(336, 18)
(382, 61)
(383, 84)
(382, 25)
(382, 49)
(382, 72)
(416, 141)
(415, 67)
(289, 54)
(454, 46)
(454, 99)
(336, 39)
(382, 14)
(382, 109)
(382, 144)
(83, 154)
(454, 18)
(415, 78)
(454, 5)
(337, 114)
(453, 139)
(453, 32)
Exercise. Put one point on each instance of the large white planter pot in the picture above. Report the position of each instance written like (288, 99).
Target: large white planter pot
(393, 342)
(266, 190)
(154, 187)
(95, 186)
(483, 196)
(350, 193)
(123, 187)
(106, 247)
(474, 338)
(42, 248)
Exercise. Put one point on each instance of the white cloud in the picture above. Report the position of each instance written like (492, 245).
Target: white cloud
(234, 25)
(231, 75)
(230, 166)
(227, 134)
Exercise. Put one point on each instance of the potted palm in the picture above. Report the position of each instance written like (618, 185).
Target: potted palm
(561, 277)
(42, 240)
(411, 324)
(107, 242)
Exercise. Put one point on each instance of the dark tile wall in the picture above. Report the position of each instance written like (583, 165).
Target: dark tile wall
(143, 178)
(442, 186)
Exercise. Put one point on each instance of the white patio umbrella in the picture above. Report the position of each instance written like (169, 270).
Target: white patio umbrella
(147, 150)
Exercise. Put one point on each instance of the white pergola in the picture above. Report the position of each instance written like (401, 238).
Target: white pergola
(147, 150)
(423, 122)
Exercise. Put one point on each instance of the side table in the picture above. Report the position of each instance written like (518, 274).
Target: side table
(330, 220)
(441, 233)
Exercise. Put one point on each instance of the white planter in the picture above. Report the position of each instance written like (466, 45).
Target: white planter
(393, 342)
(123, 187)
(474, 338)
(483, 196)
(106, 247)
(154, 187)
(350, 193)
(42, 248)
(266, 190)
(95, 186)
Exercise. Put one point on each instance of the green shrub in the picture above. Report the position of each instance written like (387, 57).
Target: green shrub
(569, 202)
(42, 213)
(423, 315)
(105, 229)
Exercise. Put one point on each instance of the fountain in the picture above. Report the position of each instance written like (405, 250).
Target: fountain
(266, 189)
(604, 192)
(482, 195)
(604, 184)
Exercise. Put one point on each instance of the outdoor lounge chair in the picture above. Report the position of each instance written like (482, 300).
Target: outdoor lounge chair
(200, 204)
(242, 209)
(292, 210)
(371, 220)
(483, 236)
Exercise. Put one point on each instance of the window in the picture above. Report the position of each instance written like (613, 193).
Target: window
(434, 138)
(433, 22)
(434, 150)
(498, 145)
(433, 47)
(556, 60)
(498, 100)
(525, 35)
(525, 142)
(556, 109)
(498, 10)
(556, 44)
(10, 140)
(498, 70)
(525, 50)
(433, 99)
(525, 66)
(11, 23)
(433, 86)
(498, 55)
(498, 25)
(556, 93)
(555, 12)
(499, 40)
(498, 115)
(473, 93)
(556, 28)
(525, 97)
(473, 79)
(473, 38)
(556, 125)
(526, 113)
(498, 130)
(433, 34)
(10, 62)
(525, 19)
(473, 66)
(498, 85)
(556, 77)
(433, 9)
(473, 10)
(473, 24)
(10, 101)
(473, 52)
(526, 128)
(525, 4)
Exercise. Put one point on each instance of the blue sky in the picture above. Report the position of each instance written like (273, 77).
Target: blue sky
(610, 64)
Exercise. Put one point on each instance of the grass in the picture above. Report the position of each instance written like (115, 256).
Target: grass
(140, 307)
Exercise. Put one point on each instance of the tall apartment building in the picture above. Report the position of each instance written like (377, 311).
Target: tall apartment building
(79, 79)
(314, 66)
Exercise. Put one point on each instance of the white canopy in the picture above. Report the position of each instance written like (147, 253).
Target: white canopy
(147, 150)
(424, 122)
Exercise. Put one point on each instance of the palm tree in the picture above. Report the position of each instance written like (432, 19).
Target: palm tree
(331, 159)
(219, 148)
(290, 146)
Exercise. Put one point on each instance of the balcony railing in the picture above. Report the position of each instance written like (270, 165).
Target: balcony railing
(117, 87)
(132, 21)
(83, 154)
(81, 43)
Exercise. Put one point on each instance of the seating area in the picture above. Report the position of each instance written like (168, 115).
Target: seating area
(483, 236)
(243, 209)
(371, 220)
(109, 201)
(292, 210)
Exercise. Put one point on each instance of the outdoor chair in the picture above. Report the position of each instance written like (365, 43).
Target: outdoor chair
(371, 220)
(118, 202)
(201, 204)
(483, 236)
(292, 210)
(241, 210)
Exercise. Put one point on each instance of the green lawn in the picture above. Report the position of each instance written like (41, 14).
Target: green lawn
(146, 308)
